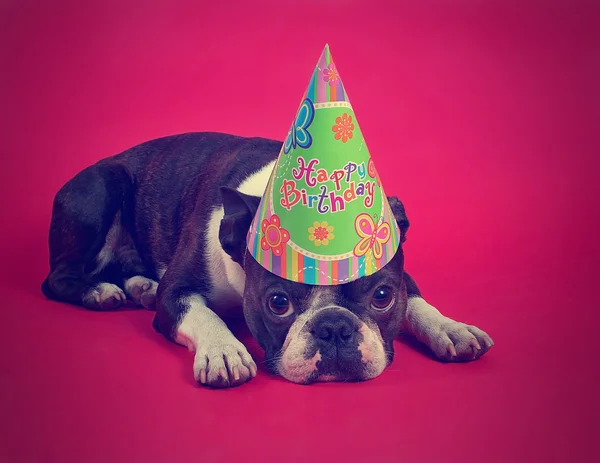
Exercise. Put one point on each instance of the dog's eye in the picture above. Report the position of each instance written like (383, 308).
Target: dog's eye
(383, 298)
(280, 305)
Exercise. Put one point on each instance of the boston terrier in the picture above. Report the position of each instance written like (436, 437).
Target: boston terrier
(163, 226)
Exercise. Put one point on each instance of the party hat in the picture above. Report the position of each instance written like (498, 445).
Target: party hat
(324, 218)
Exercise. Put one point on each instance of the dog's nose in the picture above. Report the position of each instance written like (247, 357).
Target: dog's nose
(334, 327)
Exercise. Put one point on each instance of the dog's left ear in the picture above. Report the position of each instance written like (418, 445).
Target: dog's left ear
(400, 215)
(239, 210)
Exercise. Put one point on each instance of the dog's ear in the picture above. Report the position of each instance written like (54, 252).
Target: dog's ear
(239, 210)
(400, 215)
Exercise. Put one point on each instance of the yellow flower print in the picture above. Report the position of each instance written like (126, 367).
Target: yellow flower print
(321, 233)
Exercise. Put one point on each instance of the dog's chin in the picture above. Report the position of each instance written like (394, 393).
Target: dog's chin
(299, 363)
(339, 376)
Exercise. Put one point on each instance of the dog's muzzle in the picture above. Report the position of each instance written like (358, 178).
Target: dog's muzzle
(331, 344)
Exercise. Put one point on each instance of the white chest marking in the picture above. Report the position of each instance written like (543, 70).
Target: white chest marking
(227, 277)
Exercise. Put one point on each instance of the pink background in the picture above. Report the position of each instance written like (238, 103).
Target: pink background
(481, 116)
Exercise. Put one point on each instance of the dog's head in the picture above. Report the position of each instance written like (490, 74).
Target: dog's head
(318, 333)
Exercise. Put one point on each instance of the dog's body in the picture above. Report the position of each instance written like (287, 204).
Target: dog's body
(164, 225)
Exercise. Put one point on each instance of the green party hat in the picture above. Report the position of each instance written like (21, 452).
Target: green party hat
(324, 218)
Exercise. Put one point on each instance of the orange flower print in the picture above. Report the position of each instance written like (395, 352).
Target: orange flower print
(331, 75)
(343, 127)
(321, 233)
(274, 237)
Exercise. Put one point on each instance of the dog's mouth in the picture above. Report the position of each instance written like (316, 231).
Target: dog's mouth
(331, 345)
(336, 370)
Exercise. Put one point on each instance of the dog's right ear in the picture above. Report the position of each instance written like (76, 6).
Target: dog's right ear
(400, 214)
(239, 210)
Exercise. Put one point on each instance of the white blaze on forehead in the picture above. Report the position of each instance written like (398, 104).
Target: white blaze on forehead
(322, 297)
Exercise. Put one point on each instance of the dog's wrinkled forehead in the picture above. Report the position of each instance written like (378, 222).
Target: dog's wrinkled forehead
(323, 296)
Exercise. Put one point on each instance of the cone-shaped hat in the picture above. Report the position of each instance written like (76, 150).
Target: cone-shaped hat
(324, 218)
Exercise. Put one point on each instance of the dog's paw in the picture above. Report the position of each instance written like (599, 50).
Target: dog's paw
(142, 291)
(104, 296)
(457, 342)
(226, 364)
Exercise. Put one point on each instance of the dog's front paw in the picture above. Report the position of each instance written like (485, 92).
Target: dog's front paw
(225, 364)
(457, 342)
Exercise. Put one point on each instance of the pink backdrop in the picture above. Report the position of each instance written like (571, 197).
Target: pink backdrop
(481, 116)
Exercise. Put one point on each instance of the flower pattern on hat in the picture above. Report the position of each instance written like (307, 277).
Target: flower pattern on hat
(343, 128)
(274, 236)
(330, 74)
(321, 233)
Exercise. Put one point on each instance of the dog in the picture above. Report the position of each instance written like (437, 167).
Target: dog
(163, 225)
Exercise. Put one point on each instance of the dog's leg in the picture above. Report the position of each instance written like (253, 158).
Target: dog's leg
(220, 359)
(196, 281)
(85, 212)
(449, 340)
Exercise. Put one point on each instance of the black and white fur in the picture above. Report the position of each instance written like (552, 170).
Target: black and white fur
(163, 225)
